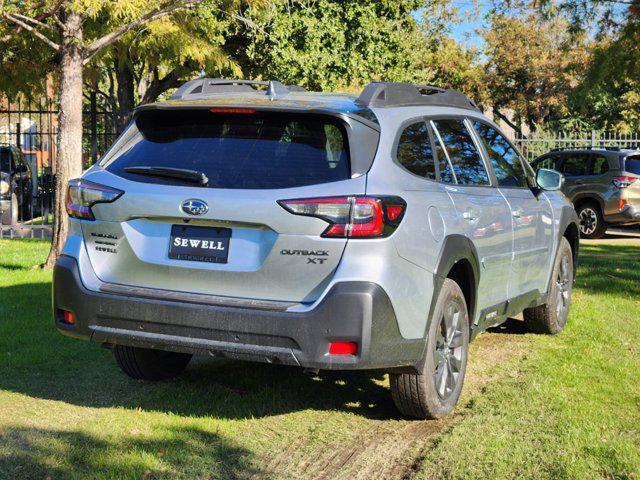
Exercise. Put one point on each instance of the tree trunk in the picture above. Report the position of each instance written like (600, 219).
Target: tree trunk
(125, 88)
(69, 159)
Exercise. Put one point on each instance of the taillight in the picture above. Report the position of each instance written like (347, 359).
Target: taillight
(624, 182)
(82, 195)
(353, 216)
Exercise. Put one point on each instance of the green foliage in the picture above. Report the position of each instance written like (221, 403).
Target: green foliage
(332, 44)
(532, 65)
(609, 96)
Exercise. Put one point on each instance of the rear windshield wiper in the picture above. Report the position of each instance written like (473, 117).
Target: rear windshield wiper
(192, 176)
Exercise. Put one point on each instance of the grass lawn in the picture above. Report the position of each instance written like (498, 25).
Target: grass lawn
(533, 407)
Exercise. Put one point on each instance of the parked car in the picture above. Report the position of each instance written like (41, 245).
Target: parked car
(326, 231)
(601, 182)
(15, 186)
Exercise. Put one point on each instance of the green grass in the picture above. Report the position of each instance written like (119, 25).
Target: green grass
(534, 407)
(573, 410)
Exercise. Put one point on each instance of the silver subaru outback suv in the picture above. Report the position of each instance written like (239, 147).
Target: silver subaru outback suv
(255, 221)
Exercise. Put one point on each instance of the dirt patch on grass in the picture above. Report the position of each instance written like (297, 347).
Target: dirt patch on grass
(391, 448)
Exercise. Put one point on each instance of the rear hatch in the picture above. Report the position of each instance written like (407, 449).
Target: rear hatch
(226, 236)
(631, 194)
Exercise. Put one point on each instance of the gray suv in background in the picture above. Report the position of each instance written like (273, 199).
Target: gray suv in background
(254, 221)
(603, 183)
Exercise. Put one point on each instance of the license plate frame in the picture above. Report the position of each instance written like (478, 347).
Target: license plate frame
(196, 243)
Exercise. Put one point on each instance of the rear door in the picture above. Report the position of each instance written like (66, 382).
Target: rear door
(229, 237)
(575, 167)
(483, 214)
(531, 215)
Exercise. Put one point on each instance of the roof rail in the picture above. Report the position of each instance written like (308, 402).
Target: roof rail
(207, 86)
(400, 94)
(589, 147)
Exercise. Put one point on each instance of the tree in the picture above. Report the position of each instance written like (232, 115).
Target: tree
(532, 65)
(76, 31)
(160, 56)
(342, 44)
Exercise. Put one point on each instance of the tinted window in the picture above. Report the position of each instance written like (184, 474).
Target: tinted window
(5, 160)
(599, 165)
(254, 151)
(575, 164)
(506, 163)
(549, 163)
(415, 152)
(632, 165)
(464, 156)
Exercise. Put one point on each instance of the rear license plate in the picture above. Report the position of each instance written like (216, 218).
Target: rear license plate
(199, 244)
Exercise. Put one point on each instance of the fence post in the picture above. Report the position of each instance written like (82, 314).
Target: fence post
(593, 138)
(94, 128)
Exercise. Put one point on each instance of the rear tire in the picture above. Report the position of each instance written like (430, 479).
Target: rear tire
(434, 392)
(551, 317)
(148, 364)
(592, 224)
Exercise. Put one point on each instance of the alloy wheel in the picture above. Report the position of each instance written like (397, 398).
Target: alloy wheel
(448, 352)
(563, 289)
(588, 221)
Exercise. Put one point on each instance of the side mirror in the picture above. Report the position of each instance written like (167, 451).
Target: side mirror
(549, 179)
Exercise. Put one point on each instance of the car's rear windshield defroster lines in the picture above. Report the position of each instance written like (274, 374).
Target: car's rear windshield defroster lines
(257, 151)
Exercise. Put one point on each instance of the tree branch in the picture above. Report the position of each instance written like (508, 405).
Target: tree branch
(506, 120)
(32, 30)
(166, 9)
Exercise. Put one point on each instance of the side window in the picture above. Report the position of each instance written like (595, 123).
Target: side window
(576, 164)
(462, 152)
(506, 163)
(415, 152)
(599, 165)
(550, 163)
(5, 160)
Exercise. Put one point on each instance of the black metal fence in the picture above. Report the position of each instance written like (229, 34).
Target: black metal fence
(28, 152)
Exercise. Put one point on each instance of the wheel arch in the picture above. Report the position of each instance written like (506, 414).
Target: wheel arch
(458, 260)
(580, 200)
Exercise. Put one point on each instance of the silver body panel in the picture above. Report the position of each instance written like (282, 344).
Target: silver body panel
(513, 232)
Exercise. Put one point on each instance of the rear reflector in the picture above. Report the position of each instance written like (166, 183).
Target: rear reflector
(343, 348)
(68, 318)
(353, 216)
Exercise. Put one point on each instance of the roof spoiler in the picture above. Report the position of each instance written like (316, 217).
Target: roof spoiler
(211, 86)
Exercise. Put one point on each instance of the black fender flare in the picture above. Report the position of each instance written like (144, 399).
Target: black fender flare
(568, 218)
(454, 248)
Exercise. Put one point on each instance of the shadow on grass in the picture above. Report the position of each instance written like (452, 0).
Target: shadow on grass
(43, 453)
(38, 361)
(511, 327)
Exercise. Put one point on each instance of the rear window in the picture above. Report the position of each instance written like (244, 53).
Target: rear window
(632, 164)
(236, 151)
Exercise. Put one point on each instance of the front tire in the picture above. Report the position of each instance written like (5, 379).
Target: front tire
(147, 364)
(434, 392)
(592, 224)
(551, 317)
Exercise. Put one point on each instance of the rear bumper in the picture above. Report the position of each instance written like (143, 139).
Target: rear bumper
(631, 212)
(351, 311)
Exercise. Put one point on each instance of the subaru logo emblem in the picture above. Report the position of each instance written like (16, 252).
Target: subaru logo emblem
(194, 207)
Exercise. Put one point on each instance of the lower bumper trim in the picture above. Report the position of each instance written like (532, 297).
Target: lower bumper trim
(359, 312)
